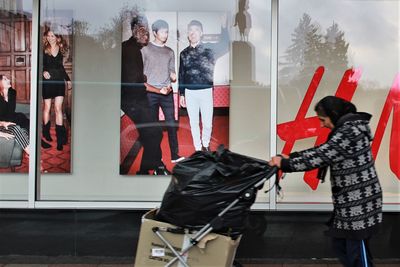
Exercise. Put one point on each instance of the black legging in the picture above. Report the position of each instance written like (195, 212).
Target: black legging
(353, 253)
(166, 102)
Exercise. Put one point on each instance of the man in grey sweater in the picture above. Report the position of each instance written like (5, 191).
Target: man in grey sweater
(159, 68)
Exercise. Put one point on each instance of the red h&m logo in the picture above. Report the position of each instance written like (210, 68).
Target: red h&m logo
(303, 127)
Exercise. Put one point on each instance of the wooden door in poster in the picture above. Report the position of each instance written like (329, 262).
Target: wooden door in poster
(15, 52)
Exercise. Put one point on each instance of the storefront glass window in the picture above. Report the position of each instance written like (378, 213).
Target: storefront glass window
(100, 127)
(15, 97)
(344, 48)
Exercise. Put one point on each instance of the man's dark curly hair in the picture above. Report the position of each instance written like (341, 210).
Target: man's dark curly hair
(138, 20)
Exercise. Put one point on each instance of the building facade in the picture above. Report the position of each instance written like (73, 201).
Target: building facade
(281, 57)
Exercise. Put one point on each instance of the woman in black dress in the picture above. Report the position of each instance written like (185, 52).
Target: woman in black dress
(12, 124)
(55, 77)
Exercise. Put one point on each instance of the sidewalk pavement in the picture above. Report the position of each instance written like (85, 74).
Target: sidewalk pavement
(244, 265)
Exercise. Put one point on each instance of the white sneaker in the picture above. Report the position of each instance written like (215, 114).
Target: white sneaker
(177, 160)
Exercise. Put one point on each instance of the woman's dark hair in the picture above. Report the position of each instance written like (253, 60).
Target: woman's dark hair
(334, 108)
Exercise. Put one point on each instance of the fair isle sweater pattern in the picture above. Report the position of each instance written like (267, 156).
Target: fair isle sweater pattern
(356, 191)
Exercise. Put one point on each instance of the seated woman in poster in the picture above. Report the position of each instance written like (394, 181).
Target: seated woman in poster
(55, 76)
(12, 124)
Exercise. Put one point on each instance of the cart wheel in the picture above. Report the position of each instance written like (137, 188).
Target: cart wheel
(236, 264)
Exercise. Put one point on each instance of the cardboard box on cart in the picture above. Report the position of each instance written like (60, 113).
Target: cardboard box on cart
(213, 250)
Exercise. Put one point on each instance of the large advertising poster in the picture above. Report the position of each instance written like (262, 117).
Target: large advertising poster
(15, 66)
(174, 88)
(56, 81)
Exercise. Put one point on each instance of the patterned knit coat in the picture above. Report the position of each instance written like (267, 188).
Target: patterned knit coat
(356, 191)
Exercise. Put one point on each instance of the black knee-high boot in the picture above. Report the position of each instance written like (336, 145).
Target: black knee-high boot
(44, 144)
(60, 138)
(64, 135)
(46, 131)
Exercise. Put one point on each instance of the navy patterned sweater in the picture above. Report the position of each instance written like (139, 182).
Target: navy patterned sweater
(196, 64)
(356, 191)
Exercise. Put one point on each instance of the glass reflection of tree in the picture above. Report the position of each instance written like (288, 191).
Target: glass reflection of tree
(81, 28)
(336, 49)
(104, 43)
(102, 46)
(110, 35)
(311, 48)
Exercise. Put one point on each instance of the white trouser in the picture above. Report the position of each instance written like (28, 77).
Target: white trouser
(200, 102)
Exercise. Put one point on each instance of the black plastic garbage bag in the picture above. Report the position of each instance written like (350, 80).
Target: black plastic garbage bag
(206, 183)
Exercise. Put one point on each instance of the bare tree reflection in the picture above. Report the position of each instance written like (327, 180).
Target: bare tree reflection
(81, 28)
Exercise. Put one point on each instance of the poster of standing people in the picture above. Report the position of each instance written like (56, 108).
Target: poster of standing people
(56, 85)
(174, 88)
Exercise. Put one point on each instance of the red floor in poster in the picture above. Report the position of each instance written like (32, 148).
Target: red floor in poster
(53, 161)
(220, 135)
